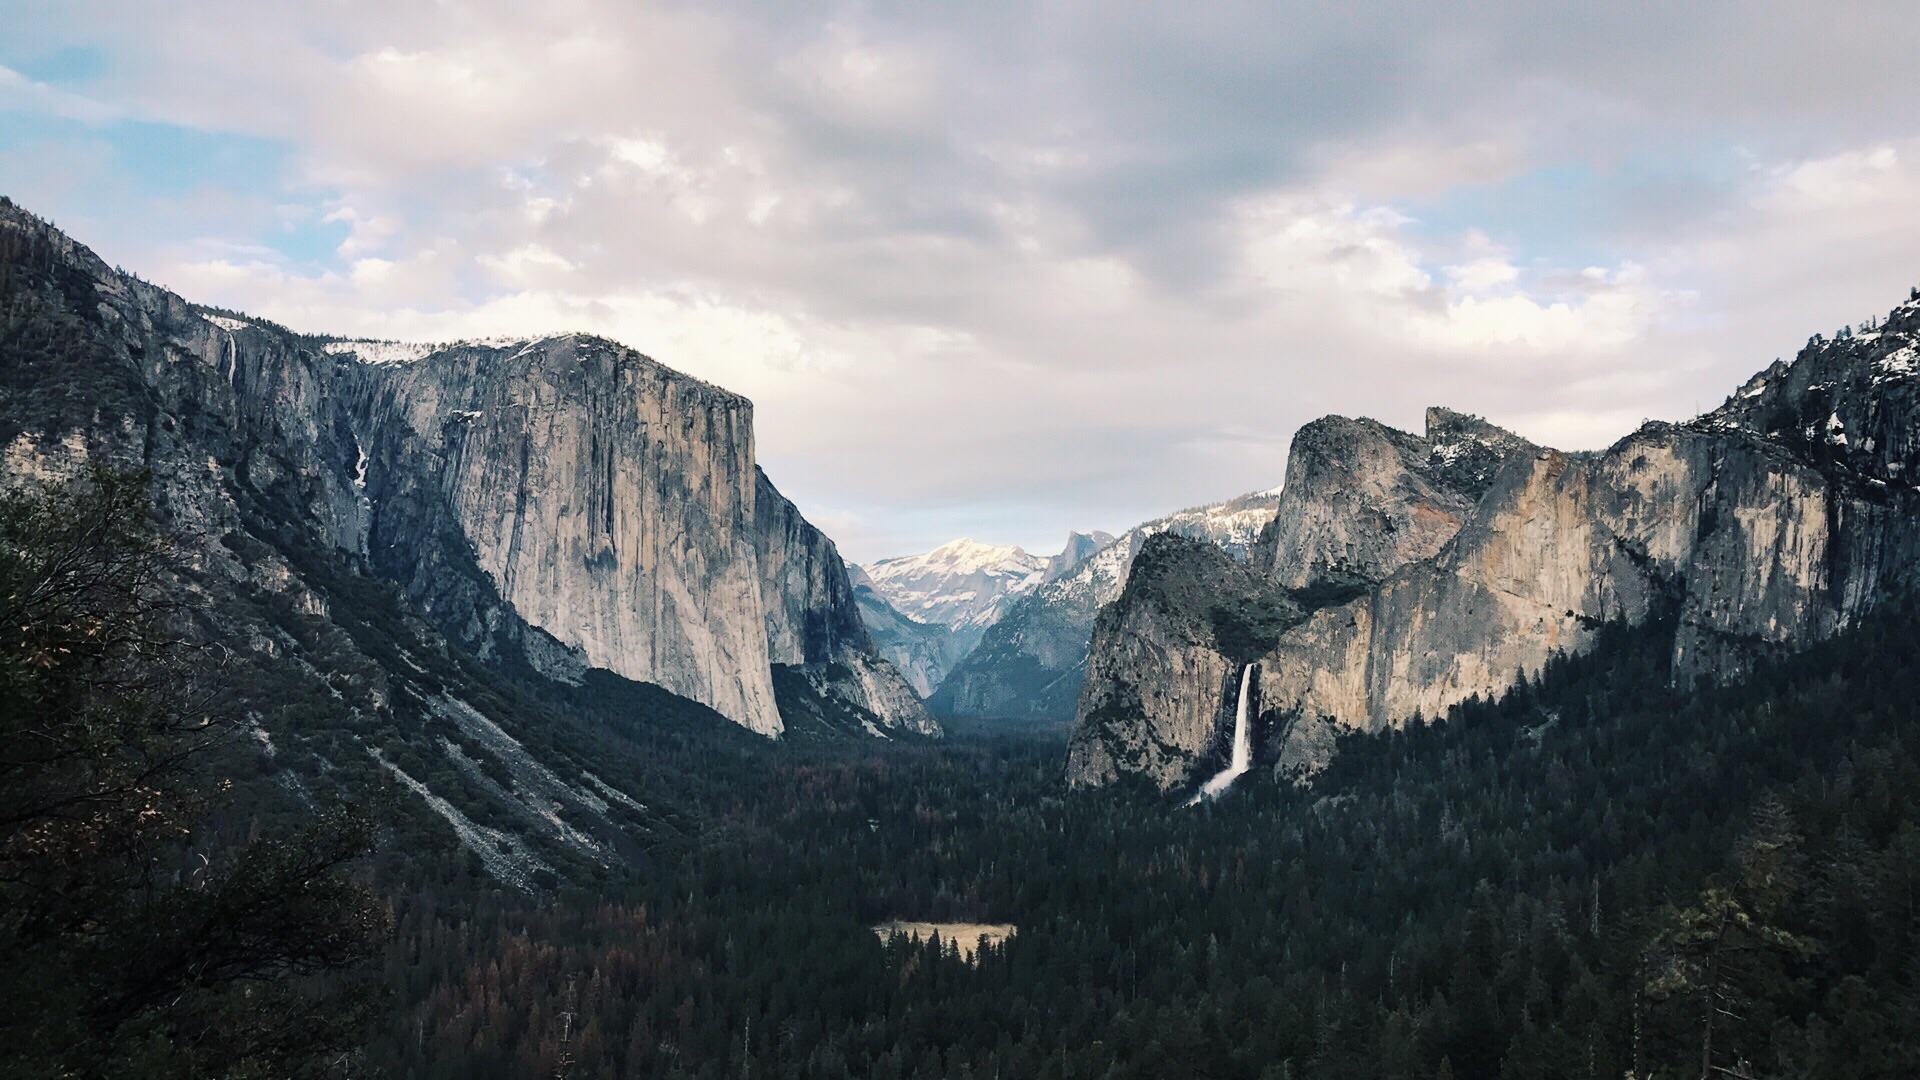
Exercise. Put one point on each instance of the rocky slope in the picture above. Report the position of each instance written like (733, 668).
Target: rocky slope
(1029, 665)
(922, 652)
(564, 509)
(1763, 526)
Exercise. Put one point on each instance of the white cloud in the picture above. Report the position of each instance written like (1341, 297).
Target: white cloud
(1022, 269)
(1485, 274)
(17, 92)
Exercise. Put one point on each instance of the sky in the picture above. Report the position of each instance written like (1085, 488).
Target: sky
(1004, 270)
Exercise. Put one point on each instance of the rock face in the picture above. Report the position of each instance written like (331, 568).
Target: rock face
(1766, 525)
(814, 623)
(1182, 621)
(611, 501)
(564, 502)
(1361, 501)
(1029, 666)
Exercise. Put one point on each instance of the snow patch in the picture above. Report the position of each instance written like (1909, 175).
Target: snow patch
(381, 352)
(506, 860)
(1899, 364)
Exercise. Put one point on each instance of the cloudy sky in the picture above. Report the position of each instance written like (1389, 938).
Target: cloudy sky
(1002, 270)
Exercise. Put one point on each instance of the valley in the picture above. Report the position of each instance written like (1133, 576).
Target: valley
(507, 719)
(1483, 894)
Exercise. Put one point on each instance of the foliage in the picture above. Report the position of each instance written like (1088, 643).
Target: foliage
(136, 943)
(1530, 888)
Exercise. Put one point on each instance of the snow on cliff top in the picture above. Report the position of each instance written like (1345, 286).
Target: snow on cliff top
(372, 351)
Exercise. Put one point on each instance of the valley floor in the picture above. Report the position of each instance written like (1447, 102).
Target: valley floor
(1556, 885)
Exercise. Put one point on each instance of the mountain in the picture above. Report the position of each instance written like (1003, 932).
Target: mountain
(1360, 501)
(928, 611)
(1029, 664)
(922, 652)
(1421, 573)
(471, 549)
(1079, 548)
(962, 584)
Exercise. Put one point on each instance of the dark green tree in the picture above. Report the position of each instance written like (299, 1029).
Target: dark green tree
(138, 943)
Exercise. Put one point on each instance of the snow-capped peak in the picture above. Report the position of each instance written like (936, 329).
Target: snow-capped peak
(964, 583)
(970, 554)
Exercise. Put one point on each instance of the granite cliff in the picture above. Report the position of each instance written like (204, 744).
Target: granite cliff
(1761, 527)
(561, 504)
(1361, 500)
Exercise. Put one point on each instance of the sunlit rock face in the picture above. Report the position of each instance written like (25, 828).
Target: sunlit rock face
(615, 505)
(563, 502)
(1361, 501)
(611, 501)
(1469, 557)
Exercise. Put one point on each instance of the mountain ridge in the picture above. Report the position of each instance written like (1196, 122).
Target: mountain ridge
(412, 564)
(1767, 524)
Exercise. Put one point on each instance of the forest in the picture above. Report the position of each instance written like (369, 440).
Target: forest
(1600, 874)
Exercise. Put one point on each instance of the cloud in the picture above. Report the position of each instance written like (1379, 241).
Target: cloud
(1017, 268)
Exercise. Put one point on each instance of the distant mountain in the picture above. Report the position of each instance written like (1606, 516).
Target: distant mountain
(928, 611)
(1028, 665)
(1080, 547)
(1406, 574)
(962, 584)
(923, 652)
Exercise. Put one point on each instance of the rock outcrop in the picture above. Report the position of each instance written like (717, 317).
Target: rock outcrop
(1190, 615)
(611, 501)
(1361, 501)
(1766, 525)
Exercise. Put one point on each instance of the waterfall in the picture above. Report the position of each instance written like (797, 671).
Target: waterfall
(1242, 747)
